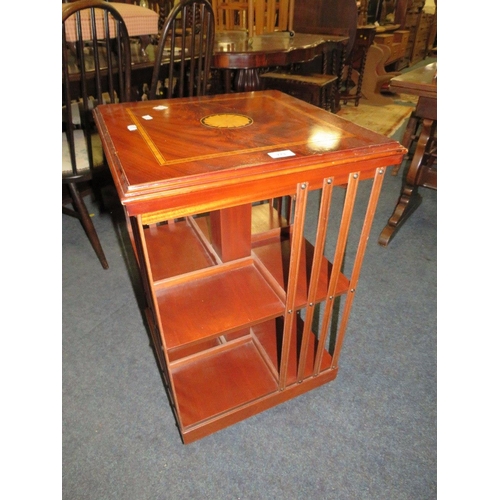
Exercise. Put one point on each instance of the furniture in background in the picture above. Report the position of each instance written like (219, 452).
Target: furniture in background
(240, 60)
(375, 76)
(355, 65)
(161, 7)
(390, 16)
(232, 287)
(231, 15)
(142, 23)
(253, 16)
(312, 80)
(317, 89)
(184, 52)
(421, 25)
(95, 70)
(420, 138)
(327, 16)
(395, 41)
(247, 59)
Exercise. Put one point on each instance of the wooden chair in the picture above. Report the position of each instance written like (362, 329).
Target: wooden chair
(231, 14)
(95, 70)
(255, 16)
(355, 65)
(271, 15)
(182, 65)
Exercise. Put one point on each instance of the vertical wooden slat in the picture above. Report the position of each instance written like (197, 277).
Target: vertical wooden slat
(350, 198)
(251, 18)
(297, 237)
(283, 15)
(217, 17)
(270, 15)
(291, 9)
(259, 16)
(152, 303)
(319, 247)
(363, 241)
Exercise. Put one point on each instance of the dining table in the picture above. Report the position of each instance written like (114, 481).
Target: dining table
(241, 58)
(247, 56)
(232, 282)
(421, 132)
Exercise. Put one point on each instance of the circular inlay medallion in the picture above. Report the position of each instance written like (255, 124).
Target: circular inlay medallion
(226, 120)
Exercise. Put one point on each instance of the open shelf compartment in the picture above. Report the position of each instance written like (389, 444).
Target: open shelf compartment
(228, 298)
(220, 381)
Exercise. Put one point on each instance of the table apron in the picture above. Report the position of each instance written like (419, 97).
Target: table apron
(207, 197)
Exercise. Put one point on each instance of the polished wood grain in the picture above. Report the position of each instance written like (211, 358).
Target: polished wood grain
(174, 153)
(232, 284)
(236, 51)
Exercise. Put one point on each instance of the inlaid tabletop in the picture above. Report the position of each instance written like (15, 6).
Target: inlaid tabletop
(186, 144)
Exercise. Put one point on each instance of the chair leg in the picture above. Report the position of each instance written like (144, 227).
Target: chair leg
(87, 224)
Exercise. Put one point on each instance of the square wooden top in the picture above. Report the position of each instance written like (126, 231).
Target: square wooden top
(188, 145)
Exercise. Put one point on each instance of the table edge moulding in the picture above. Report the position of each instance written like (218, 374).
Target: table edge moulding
(233, 281)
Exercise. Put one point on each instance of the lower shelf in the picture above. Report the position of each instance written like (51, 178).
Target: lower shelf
(232, 375)
(239, 377)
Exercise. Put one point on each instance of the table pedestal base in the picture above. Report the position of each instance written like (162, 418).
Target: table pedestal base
(422, 170)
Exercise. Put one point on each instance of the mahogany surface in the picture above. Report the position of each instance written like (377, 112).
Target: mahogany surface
(235, 50)
(421, 127)
(224, 275)
(203, 163)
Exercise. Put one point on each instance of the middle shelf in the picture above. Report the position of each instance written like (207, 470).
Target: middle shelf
(200, 298)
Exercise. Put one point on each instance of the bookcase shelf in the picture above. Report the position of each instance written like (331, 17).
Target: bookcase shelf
(223, 322)
(247, 259)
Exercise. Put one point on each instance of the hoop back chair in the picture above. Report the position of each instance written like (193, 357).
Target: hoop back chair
(184, 52)
(95, 70)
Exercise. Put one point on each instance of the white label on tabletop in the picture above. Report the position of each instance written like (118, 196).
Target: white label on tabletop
(132, 127)
(160, 107)
(147, 117)
(281, 154)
